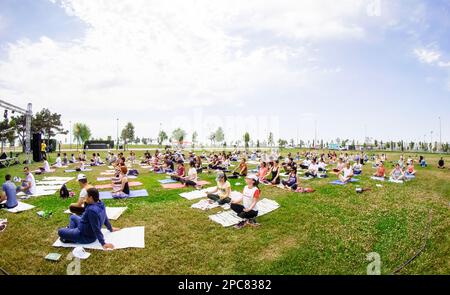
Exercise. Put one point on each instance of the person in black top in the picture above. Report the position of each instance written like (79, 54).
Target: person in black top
(441, 164)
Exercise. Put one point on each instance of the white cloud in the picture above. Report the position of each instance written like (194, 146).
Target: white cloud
(140, 54)
(428, 56)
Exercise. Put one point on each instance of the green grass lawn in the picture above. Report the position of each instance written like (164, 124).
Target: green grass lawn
(327, 232)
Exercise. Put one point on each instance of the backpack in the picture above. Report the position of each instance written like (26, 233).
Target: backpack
(133, 172)
(64, 192)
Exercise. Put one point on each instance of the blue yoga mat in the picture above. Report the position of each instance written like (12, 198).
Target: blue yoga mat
(338, 182)
(167, 181)
(133, 194)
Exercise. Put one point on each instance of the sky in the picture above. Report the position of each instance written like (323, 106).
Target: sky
(300, 69)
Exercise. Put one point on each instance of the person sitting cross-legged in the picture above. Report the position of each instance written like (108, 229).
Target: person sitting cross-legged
(222, 192)
(346, 174)
(441, 164)
(9, 194)
(381, 171)
(248, 210)
(397, 173)
(79, 206)
(88, 228)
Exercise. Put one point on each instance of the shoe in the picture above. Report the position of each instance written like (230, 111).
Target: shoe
(252, 222)
(240, 224)
(2, 227)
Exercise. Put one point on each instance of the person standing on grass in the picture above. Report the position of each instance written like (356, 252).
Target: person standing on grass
(9, 194)
(88, 228)
(43, 150)
(29, 185)
(248, 210)
(79, 206)
(222, 192)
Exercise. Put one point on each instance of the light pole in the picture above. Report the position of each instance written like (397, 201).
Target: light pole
(431, 140)
(440, 132)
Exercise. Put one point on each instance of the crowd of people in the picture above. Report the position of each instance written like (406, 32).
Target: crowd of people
(271, 169)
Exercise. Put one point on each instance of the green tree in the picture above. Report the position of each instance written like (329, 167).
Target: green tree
(194, 138)
(178, 135)
(144, 141)
(219, 135)
(7, 132)
(47, 123)
(282, 143)
(246, 139)
(81, 133)
(162, 136)
(127, 134)
(270, 141)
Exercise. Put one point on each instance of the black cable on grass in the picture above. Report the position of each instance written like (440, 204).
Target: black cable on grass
(3, 271)
(425, 240)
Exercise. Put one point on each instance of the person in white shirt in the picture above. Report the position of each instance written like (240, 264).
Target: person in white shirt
(322, 166)
(191, 178)
(29, 185)
(357, 168)
(58, 162)
(346, 174)
(248, 210)
(78, 207)
(313, 169)
(46, 167)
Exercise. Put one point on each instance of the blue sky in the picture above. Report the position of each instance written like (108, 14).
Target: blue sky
(358, 68)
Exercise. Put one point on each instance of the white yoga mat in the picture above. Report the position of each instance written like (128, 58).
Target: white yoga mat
(229, 218)
(20, 208)
(39, 193)
(56, 178)
(113, 213)
(51, 182)
(41, 187)
(131, 237)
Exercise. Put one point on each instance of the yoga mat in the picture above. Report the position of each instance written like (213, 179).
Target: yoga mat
(111, 178)
(377, 178)
(21, 207)
(395, 181)
(107, 173)
(180, 185)
(49, 183)
(113, 213)
(229, 218)
(338, 182)
(167, 181)
(56, 178)
(133, 194)
(74, 170)
(131, 237)
(110, 185)
(40, 187)
(38, 193)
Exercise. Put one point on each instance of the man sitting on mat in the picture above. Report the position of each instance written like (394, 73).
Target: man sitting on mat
(79, 206)
(9, 194)
(29, 185)
(88, 228)
(347, 173)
